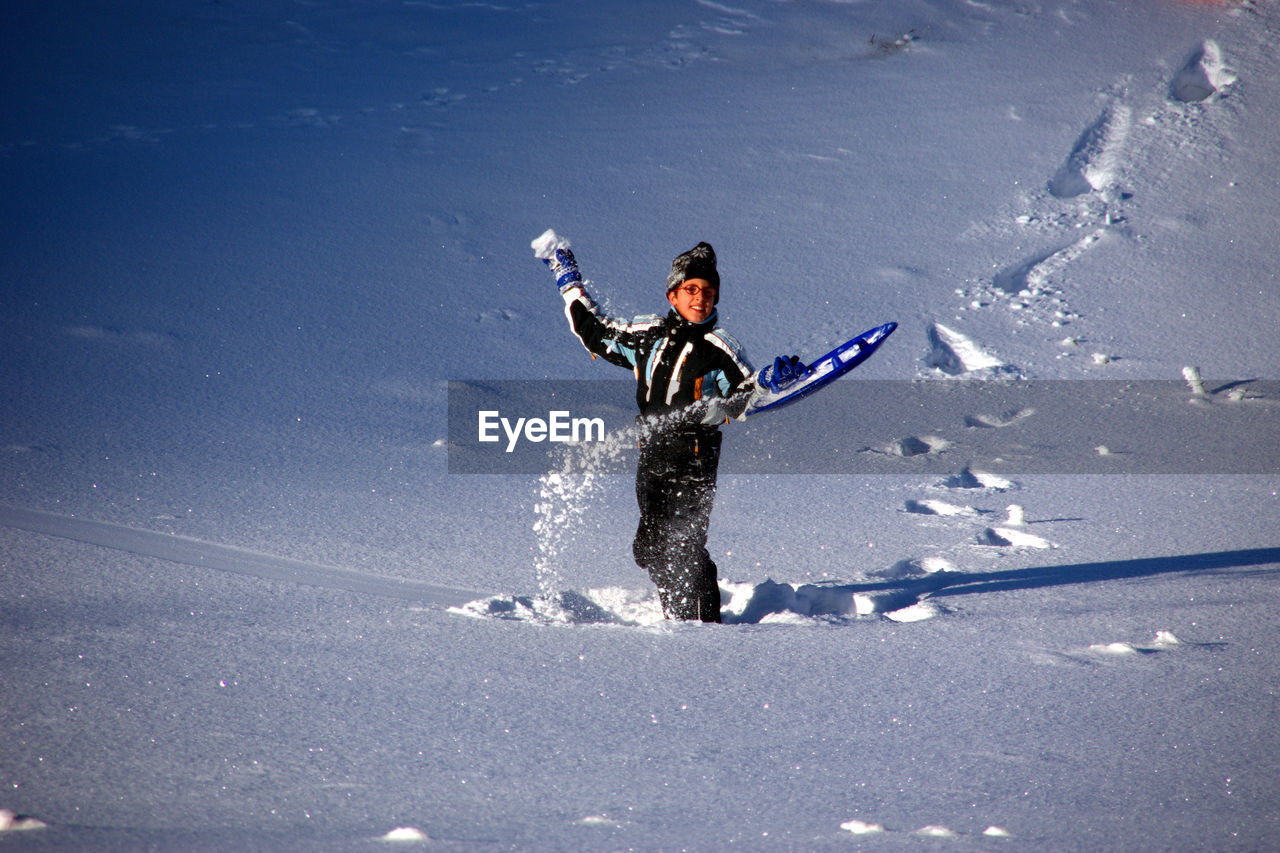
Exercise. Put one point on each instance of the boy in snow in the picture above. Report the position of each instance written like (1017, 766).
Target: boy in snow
(690, 374)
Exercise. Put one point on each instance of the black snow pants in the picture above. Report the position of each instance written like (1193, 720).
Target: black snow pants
(675, 487)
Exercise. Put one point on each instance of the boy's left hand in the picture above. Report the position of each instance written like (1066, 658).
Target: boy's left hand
(565, 267)
(785, 370)
(553, 250)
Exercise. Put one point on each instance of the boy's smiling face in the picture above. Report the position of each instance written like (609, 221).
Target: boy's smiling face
(694, 299)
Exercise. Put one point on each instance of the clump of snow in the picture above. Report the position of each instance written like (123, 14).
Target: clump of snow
(915, 612)
(1192, 375)
(859, 827)
(597, 820)
(917, 567)
(936, 564)
(12, 822)
(1118, 648)
(544, 246)
(937, 831)
(406, 834)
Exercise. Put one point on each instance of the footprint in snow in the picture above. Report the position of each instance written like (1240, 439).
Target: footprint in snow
(123, 337)
(942, 508)
(606, 606)
(1094, 160)
(913, 446)
(955, 354)
(1010, 534)
(1032, 277)
(1001, 421)
(1011, 537)
(1115, 651)
(1163, 641)
(767, 602)
(972, 478)
(772, 602)
(1202, 75)
(24, 448)
(916, 568)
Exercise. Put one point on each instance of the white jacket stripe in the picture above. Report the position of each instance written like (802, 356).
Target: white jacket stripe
(673, 386)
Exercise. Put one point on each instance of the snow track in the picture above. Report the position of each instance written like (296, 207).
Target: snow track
(225, 558)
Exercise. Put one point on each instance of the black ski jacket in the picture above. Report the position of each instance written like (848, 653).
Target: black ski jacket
(675, 362)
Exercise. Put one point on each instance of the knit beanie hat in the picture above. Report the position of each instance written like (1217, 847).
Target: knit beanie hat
(698, 262)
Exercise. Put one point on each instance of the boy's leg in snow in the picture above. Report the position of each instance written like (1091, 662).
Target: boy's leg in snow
(675, 488)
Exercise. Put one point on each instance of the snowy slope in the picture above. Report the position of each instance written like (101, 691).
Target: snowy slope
(247, 245)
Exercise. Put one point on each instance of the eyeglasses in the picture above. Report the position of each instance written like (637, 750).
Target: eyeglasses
(693, 291)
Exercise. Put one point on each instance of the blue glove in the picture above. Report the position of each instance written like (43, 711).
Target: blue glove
(785, 370)
(565, 267)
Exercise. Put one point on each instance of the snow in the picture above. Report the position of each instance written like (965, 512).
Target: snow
(546, 244)
(248, 246)
(406, 834)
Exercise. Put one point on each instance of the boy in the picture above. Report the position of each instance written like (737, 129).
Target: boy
(678, 360)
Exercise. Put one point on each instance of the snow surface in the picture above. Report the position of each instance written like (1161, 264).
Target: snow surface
(248, 243)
